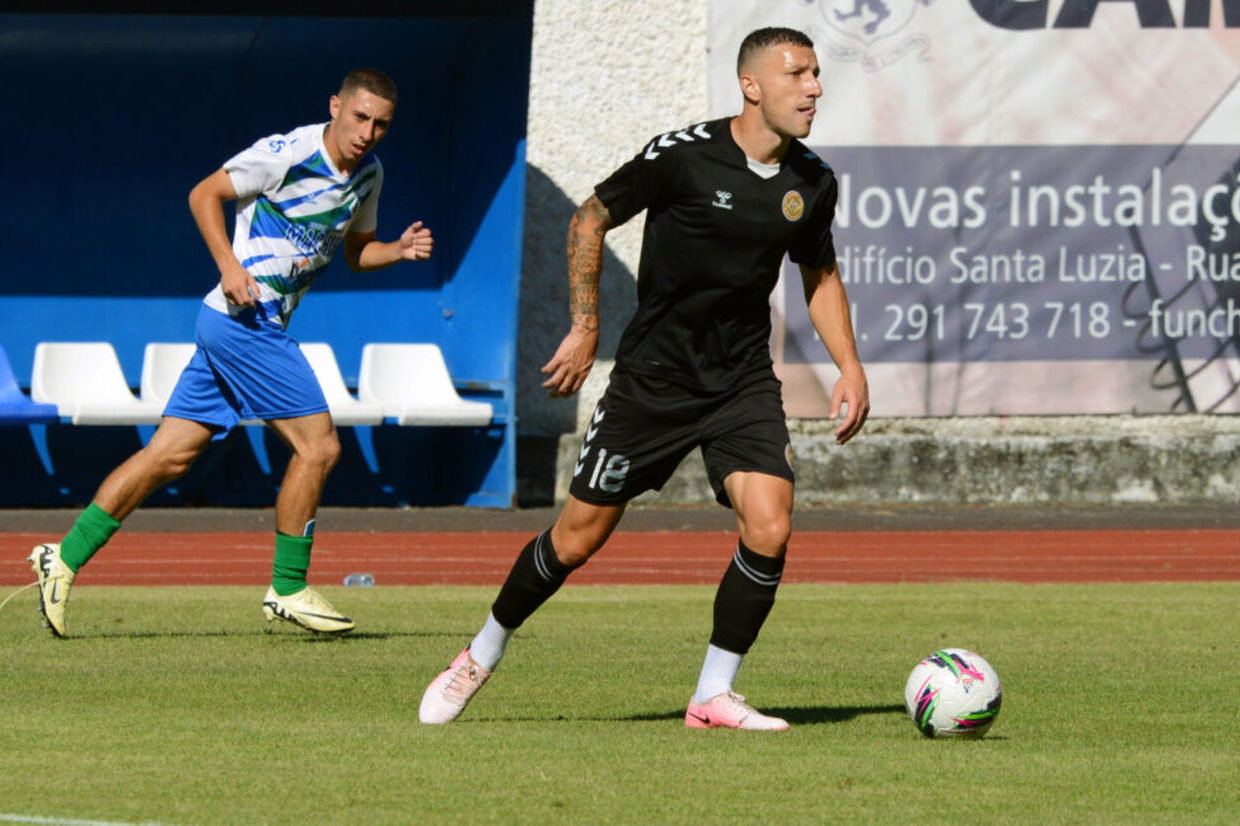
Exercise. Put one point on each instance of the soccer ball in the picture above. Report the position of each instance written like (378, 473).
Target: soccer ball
(953, 693)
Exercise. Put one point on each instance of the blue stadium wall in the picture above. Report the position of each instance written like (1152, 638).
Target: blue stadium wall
(111, 118)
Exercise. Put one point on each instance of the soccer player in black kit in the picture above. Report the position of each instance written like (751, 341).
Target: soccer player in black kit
(725, 201)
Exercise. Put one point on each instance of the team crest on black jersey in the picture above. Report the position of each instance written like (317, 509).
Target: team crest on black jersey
(794, 205)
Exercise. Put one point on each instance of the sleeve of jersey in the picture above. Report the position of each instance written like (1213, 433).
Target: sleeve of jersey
(367, 217)
(641, 183)
(815, 246)
(259, 168)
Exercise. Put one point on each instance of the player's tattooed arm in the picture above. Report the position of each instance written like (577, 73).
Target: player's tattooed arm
(574, 358)
(585, 261)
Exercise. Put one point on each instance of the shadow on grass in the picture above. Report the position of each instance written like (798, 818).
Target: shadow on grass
(155, 635)
(797, 716)
(805, 715)
(289, 634)
(376, 635)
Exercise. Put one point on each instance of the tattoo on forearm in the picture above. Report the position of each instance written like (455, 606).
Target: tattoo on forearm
(583, 305)
(585, 261)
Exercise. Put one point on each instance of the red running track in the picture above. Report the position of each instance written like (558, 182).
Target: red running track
(667, 557)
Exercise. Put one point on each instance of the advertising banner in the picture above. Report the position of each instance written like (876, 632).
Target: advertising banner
(1039, 201)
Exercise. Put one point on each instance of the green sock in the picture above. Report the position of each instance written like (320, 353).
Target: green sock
(92, 530)
(288, 572)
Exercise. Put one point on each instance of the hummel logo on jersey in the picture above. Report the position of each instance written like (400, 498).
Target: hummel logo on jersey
(609, 470)
(667, 142)
(591, 432)
(721, 199)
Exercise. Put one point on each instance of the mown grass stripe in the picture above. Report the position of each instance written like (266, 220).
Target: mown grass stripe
(61, 821)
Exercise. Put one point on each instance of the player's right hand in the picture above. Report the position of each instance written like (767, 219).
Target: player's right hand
(851, 396)
(571, 363)
(239, 286)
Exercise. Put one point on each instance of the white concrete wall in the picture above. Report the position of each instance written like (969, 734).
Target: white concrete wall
(606, 76)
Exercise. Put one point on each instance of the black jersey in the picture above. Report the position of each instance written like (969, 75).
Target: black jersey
(715, 237)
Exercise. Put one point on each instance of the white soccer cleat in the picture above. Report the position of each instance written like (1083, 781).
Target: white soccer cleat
(307, 609)
(55, 580)
(729, 710)
(449, 693)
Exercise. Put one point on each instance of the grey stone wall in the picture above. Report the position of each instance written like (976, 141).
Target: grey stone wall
(1102, 460)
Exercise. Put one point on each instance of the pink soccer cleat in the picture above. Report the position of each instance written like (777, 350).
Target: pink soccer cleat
(449, 693)
(729, 710)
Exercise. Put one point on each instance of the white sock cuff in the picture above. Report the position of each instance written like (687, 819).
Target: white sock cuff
(718, 673)
(488, 646)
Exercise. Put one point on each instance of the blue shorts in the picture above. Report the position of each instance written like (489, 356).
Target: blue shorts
(244, 368)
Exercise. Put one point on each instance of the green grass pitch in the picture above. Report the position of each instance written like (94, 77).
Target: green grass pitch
(171, 705)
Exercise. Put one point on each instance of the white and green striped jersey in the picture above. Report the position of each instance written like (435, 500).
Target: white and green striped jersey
(293, 210)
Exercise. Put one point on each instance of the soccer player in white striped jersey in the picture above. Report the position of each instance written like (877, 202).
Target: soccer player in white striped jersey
(300, 197)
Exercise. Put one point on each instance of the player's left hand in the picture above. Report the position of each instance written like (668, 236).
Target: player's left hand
(852, 392)
(416, 242)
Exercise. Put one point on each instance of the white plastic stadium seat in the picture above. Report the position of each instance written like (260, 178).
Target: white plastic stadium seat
(85, 380)
(345, 409)
(411, 381)
(162, 363)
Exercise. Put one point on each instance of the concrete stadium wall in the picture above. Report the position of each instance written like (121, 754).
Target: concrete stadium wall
(608, 75)
(605, 76)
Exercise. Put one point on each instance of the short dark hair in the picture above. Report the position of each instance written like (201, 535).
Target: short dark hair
(372, 80)
(760, 39)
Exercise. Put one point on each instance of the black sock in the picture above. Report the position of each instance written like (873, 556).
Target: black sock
(535, 576)
(745, 596)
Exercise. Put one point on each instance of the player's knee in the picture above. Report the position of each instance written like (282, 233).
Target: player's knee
(331, 451)
(575, 547)
(768, 536)
(576, 551)
(324, 453)
(168, 467)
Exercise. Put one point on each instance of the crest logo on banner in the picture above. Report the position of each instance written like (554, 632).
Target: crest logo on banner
(871, 32)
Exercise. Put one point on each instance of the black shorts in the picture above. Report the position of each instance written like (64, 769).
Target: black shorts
(643, 427)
